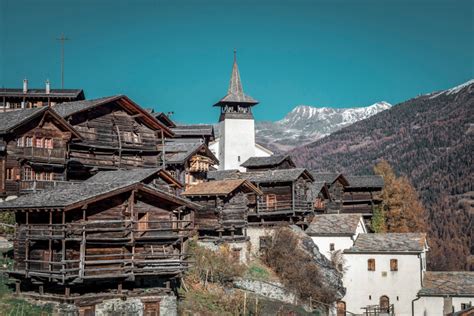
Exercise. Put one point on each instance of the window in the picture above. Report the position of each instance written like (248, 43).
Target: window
(371, 265)
(10, 174)
(271, 201)
(331, 247)
(20, 142)
(39, 142)
(39, 176)
(28, 174)
(238, 158)
(28, 141)
(341, 308)
(48, 143)
(136, 138)
(393, 265)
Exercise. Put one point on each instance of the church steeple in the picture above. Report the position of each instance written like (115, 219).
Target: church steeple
(235, 93)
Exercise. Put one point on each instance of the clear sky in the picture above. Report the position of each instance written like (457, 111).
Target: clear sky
(177, 55)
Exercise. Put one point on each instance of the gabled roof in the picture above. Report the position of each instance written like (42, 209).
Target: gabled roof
(271, 161)
(71, 196)
(334, 225)
(67, 109)
(53, 93)
(11, 120)
(365, 181)
(179, 152)
(389, 242)
(199, 130)
(134, 175)
(222, 187)
(235, 93)
(329, 177)
(317, 187)
(223, 174)
(279, 175)
(448, 283)
(165, 119)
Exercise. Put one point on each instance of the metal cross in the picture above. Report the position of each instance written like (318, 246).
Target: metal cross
(62, 39)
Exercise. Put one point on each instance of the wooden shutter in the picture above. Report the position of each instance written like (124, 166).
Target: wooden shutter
(393, 265)
(271, 201)
(371, 265)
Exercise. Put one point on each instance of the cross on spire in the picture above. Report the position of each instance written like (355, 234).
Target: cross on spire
(62, 39)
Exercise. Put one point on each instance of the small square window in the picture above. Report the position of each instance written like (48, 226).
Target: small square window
(331, 247)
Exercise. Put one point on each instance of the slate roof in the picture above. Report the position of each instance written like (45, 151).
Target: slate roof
(279, 175)
(179, 152)
(334, 224)
(327, 177)
(54, 93)
(223, 174)
(316, 187)
(193, 130)
(235, 93)
(134, 175)
(270, 161)
(221, 187)
(165, 119)
(459, 283)
(389, 242)
(11, 119)
(67, 108)
(365, 181)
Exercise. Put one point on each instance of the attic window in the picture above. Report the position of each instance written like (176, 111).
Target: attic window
(371, 265)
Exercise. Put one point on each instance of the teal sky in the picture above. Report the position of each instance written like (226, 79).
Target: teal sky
(177, 55)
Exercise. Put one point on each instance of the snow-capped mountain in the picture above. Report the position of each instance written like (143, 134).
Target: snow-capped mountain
(305, 124)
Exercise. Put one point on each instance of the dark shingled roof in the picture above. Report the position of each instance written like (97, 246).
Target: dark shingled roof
(280, 175)
(53, 93)
(270, 161)
(134, 175)
(11, 119)
(334, 224)
(235, 93)
(222, 187)
(327, 177)
(67, 108)
(390, 242)
(193, 130)
(223, 174)
(451, 283)
(179, 152)
(165, 119)
(365, 181)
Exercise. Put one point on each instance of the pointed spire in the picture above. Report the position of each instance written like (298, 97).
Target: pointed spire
(235, 93)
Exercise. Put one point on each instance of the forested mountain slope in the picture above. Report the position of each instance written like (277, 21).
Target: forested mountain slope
(430, 140)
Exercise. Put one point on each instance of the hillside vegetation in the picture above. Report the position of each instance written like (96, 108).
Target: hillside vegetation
(429, 139)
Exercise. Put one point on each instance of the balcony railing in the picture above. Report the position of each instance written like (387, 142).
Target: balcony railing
(284, 205)
(38, 185)
(45, 153)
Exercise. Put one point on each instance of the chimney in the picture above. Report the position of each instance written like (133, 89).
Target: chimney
(25, 85)
(48, 88)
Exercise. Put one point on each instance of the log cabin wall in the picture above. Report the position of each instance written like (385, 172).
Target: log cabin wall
(35, 157)
(114, 139)
(127, 235)
(361, 200)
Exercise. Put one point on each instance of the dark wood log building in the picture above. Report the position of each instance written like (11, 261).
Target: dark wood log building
(117, 133)
(98, 236)
(362, 194)
(34, 150)
(336, 183)
(269, 163)
(26, 98)
(225, 208)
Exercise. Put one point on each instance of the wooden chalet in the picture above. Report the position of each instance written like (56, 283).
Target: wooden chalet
(336, 184)
(34, 147)
(320, 196)
(201, 132)
(225, 207)
(286, 196)
(27, 98)
(188, 160)
(269, 163)
(117, 133)
(96, 239)
(362, 194)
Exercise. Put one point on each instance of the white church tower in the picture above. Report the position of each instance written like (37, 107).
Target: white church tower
(236, 142)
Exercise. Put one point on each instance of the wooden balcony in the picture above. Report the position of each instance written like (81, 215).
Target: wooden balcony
(30, 186)
(43, 154)
(284, 206)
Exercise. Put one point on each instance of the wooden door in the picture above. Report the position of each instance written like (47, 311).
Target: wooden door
(384, 304)
(151, 308)
(341, 308)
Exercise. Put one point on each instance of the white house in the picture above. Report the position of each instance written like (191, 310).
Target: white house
(384, 273)
(445, 292)
(335, 232)
(236, 142)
